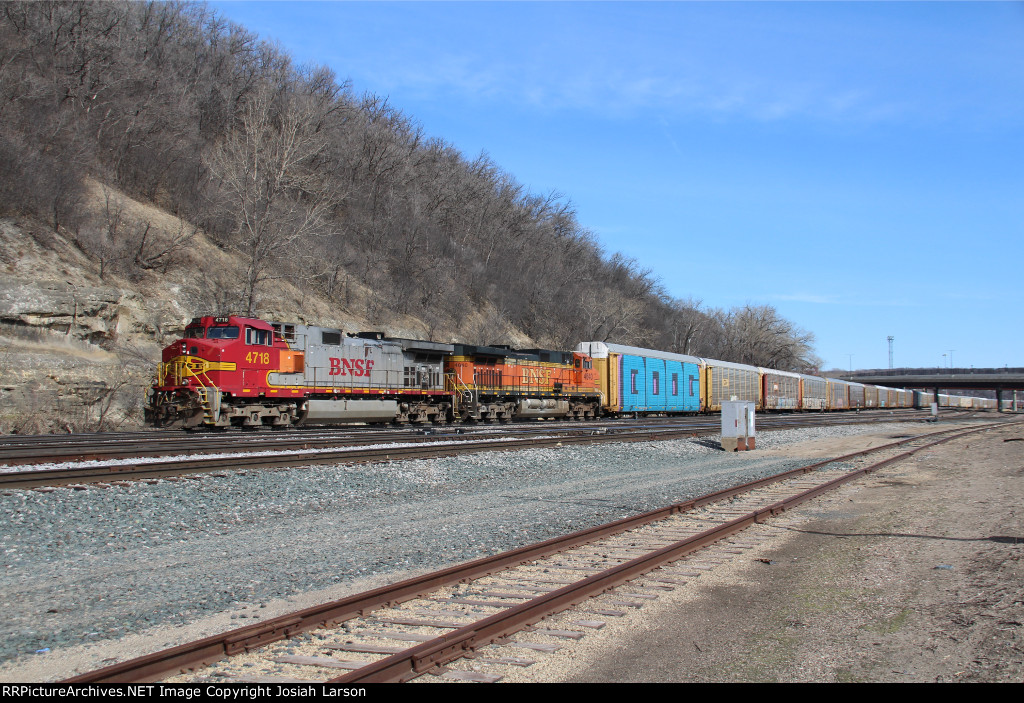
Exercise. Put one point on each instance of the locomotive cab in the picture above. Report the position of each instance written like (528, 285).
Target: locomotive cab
(214, 350)
(583, 374)
(216, 360)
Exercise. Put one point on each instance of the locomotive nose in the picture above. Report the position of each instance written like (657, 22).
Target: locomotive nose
(209, 350)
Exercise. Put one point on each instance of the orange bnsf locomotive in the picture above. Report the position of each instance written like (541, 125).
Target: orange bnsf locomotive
(251, 373)
(499, 383)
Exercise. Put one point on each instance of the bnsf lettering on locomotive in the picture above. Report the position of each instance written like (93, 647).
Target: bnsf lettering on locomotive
(350, 367)
(531, 377)
(536, 377)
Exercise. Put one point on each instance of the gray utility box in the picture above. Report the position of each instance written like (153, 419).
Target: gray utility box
(737, 425)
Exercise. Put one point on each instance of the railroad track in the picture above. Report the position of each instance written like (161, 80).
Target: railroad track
(40, 449)
(486, 611)
(128, 461)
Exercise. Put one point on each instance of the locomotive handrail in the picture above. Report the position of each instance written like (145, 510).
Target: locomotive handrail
(183, 367)
(453, 383)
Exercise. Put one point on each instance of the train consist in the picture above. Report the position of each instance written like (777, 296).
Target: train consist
(247, 372)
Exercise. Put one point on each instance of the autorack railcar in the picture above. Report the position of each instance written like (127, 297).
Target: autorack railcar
(856, 395)
(838, 394)
(725, 380)
(780, 390)
(870, 395)
(636, 380)
(813, 392)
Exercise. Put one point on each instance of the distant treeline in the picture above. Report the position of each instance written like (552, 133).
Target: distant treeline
(306, 180)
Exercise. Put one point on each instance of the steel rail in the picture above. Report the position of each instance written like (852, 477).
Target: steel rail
(40, 449)
(420, 659)
(194, 465)
(282, 457)
(190, 656)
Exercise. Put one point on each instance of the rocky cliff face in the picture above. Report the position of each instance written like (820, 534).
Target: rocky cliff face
(91, 313)
(72, 357)
(78, 352)
(100, 315)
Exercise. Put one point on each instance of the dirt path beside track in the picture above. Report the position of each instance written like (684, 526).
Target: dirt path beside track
(914, 574)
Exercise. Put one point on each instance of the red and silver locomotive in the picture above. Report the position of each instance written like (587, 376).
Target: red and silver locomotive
(244, 371)
(247, 372)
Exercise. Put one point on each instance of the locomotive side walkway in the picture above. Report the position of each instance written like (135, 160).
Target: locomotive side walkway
(915, 574)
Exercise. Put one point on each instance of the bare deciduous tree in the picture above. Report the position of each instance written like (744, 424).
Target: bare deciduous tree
(269, 178)
(686, 327)
(758, 335)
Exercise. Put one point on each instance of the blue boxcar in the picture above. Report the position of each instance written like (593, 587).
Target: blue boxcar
(652, 384)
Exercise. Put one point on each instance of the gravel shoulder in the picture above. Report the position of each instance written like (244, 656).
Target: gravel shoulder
(100, 576)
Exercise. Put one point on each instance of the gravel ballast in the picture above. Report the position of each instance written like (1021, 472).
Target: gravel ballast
(88, 567)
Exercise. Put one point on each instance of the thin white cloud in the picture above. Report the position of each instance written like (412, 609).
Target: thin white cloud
(848, 300)
(550, 84)
(815, 298)
(736, 62)
(860, 63)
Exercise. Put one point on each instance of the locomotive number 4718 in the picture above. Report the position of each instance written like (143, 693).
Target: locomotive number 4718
(257, 358)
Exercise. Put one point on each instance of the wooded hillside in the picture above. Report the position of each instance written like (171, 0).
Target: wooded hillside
(307, 181)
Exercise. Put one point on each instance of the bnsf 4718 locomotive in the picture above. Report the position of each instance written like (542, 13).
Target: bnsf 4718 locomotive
(248, 372)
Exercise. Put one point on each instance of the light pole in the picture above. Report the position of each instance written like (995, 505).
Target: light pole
(890, 338)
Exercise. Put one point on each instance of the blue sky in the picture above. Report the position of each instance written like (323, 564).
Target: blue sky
(859, 166)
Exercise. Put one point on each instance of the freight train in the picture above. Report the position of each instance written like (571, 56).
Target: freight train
(240, 371)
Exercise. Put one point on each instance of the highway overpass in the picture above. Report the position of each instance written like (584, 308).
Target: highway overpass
(1003, 381)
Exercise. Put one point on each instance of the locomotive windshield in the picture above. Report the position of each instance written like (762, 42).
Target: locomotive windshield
(222, 333)
(194, 332)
